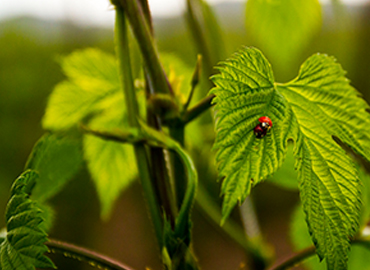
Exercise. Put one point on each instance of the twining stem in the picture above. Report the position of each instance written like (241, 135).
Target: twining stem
(123, 54)
(138, 14)
(146, 11)
(177, 133)
(82, 254)
(308, 252)
(146, 43)
(160, 172)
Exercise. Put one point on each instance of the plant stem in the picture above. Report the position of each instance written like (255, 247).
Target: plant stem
(160, 172)
(198, 109)
(139, 16)
(123, 54)
(177, 133)
(308, 252)
(82, 254)
(146, 11)
(146, 43)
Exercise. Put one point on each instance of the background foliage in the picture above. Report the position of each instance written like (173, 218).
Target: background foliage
(28, 72)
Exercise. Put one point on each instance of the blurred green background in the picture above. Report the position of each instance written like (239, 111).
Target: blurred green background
(29, 70)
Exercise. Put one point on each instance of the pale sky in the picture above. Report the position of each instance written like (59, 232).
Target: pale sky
(95, 12)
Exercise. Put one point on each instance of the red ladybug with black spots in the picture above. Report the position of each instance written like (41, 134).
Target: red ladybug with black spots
(263, 127)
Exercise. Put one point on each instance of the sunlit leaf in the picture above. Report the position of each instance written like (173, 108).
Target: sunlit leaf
(309, 110)
(23, 247)
(111, 164)
(57, 159)
(245, 91)
(92, 76)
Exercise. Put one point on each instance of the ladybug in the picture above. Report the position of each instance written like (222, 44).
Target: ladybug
(263, 127)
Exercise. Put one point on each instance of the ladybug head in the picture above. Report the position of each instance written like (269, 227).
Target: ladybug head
(265, 125)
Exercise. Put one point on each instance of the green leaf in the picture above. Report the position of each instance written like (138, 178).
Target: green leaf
(358, 257)
(24, 246)
(310, 110)
(325, 105)
(282, 28)
(245, 91)
(57, 159)
(92, 77)
(111, 164)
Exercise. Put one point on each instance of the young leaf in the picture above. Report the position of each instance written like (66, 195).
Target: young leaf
(56, 159)
(310, 110)
(111, 164)
(23, 247)
(92, 78)
(282, 28)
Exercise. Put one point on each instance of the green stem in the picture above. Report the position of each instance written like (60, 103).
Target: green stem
(146, 11)
(146, 43)
(82, 254)
(198, 109)
(123, 54)
(308, 252)
(140, 20)
(177, 133)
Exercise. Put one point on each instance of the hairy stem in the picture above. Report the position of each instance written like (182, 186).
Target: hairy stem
(146, 43)
(82, 254)
(142, 160)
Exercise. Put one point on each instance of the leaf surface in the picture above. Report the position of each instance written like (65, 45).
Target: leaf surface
(310, 110)
(358, 257)
(245, 91)
(23, 247)
(111, 164)
(92, 77)
(57, 159)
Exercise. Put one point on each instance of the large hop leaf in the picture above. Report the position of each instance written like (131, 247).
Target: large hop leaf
(245, 91)
(312, 109)
(23, 247)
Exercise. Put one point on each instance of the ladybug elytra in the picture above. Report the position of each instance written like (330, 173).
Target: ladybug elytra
(263, 127)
